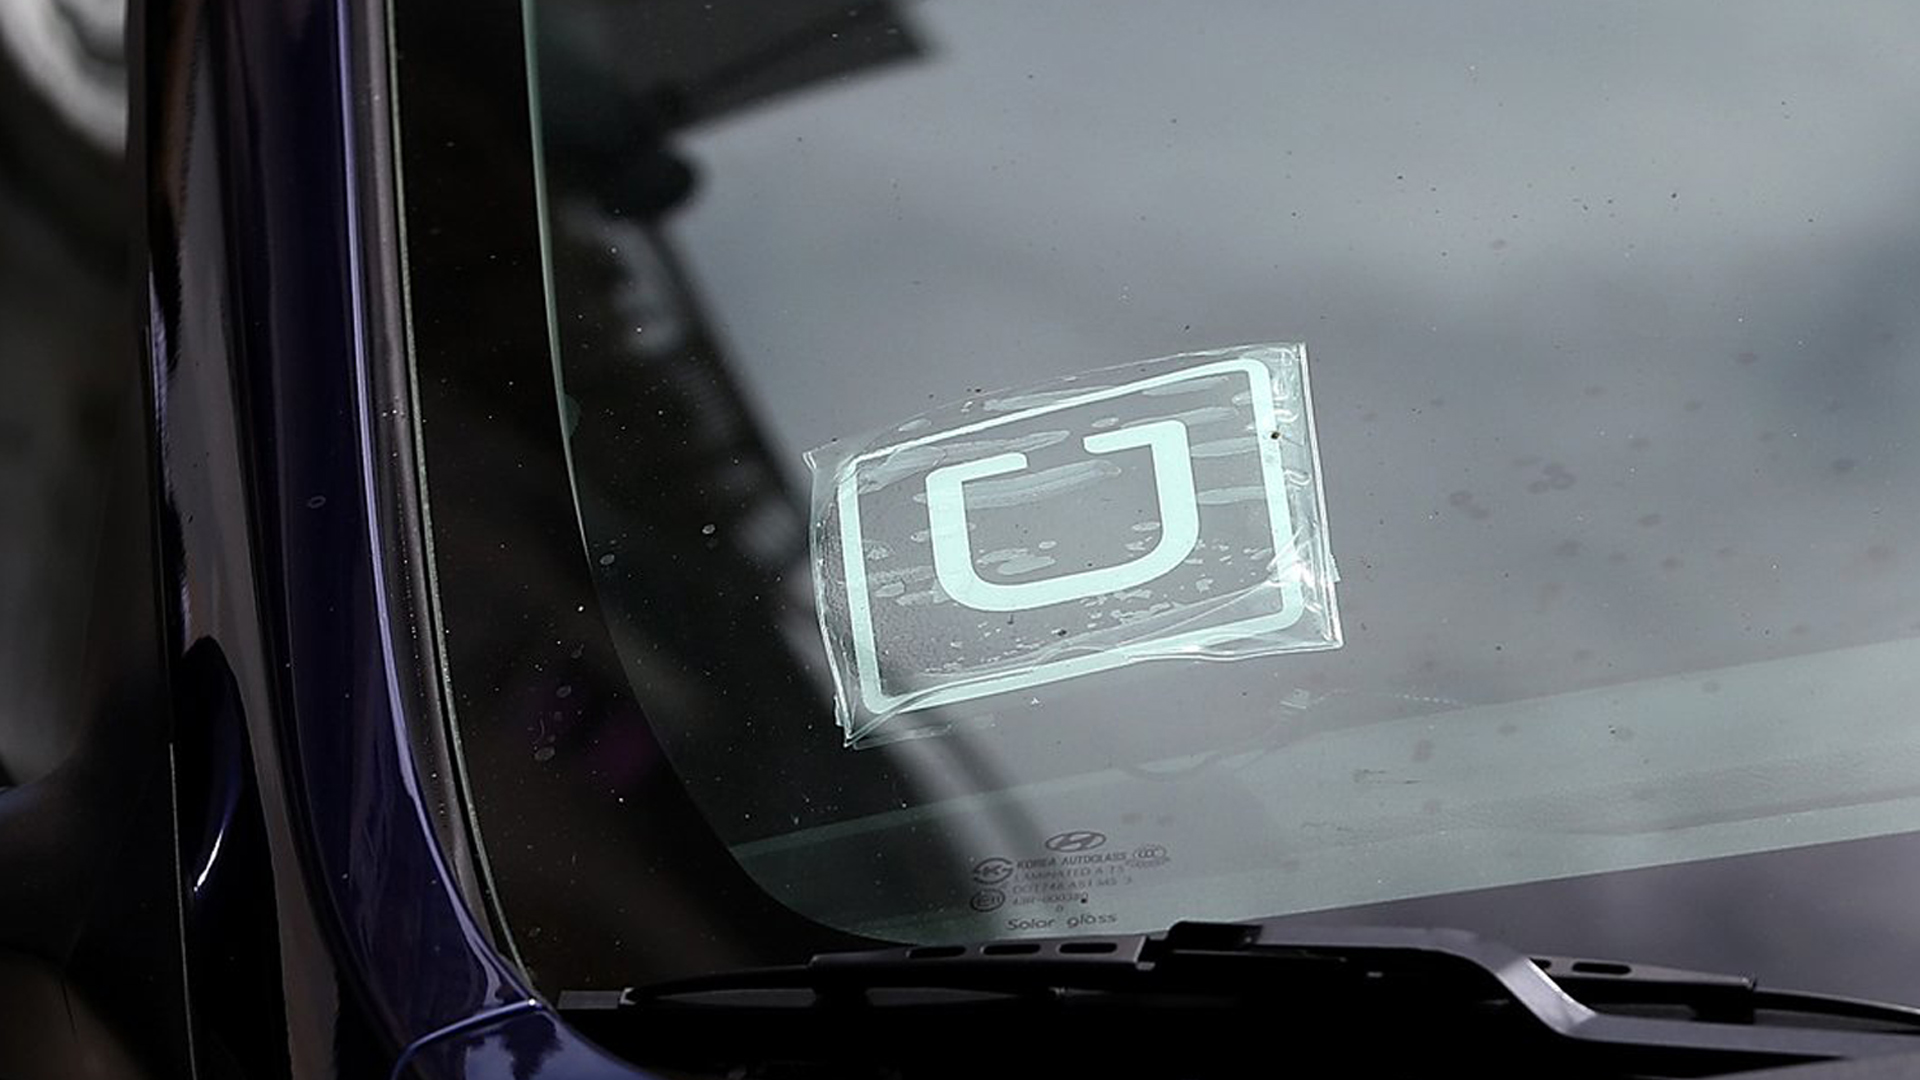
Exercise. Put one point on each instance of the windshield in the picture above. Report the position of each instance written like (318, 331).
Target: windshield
(1598, 514)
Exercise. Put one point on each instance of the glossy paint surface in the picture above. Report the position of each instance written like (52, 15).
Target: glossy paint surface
(271, 329)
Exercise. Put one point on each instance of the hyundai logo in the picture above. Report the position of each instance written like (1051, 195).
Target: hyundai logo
(1076, 840)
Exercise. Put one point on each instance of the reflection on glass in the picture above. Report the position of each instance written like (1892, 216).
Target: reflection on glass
(1614, 388)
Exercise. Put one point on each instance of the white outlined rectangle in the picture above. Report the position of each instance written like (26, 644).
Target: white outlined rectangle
(1299, 580)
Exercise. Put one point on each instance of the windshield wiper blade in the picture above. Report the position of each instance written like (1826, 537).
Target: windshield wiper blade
(1171, 962)
(1196, 958)
(1427, 984)
(1708, 996)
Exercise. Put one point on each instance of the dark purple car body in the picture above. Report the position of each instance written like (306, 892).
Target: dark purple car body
(329, 923)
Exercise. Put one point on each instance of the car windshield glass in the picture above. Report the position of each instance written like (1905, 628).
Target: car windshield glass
(1609, 444)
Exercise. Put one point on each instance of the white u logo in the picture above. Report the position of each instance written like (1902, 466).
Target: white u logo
(1179, 524)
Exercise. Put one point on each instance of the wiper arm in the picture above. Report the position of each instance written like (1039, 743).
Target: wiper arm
(1222, 960)
(1729, 999)
(1439, 991)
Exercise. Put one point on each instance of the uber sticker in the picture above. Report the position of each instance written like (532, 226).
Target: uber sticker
(1165, 509)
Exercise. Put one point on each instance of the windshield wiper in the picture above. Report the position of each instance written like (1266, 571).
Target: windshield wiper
(1229, 990)
(1729, 999)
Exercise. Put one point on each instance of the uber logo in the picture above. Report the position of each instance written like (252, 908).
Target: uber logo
(1177, 502)
(1037, 537)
